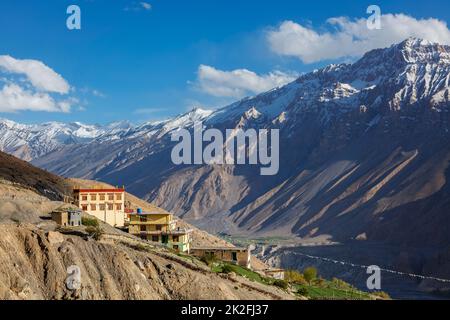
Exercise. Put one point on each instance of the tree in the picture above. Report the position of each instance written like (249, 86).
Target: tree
(310, 274)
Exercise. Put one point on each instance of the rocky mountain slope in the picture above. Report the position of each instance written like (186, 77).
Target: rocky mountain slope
(35, 255)
(34, 264)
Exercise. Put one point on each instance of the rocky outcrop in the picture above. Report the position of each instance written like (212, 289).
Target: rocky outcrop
(35, 265)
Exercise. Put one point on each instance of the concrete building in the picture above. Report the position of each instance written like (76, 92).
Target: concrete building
(159, 226)
(67, 218)
(235, 255)
(105, 204)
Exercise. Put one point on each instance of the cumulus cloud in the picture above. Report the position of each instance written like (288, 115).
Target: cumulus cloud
(41, 76)
(238, 83)
(33, 86)
(352, 38)
(14, 98)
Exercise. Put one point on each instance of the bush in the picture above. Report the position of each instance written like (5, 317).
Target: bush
(310, 274)
(95, 232)
(302, 291)
(209, 259)
(227, 269)
(294, 276)
(283, 284)
(341, 284)
(89, 222)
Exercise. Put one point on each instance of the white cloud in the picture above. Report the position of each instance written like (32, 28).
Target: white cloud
(352, 38)
(146, 5)
(238, 83)
(41, 76)
(139, 6)
(39, 89)
(14, 98)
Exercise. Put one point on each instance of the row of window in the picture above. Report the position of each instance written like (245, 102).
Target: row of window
(156, 238)
(101, 196)
(101, 207)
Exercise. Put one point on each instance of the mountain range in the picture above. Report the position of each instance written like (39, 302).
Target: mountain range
(364, 155)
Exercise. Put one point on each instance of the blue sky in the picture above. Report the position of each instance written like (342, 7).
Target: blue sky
(136, 62)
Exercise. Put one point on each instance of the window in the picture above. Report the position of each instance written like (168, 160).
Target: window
(155, 238)
(158, 227)
(176, 239)
(102, 207)
(84, 207)
(110, 206)
(142, 219)
(143, 228)
(93, 207)
(119, 206)
(119, 196)
(102, 197)
(234, 256)
(84, 198)
(111, 196)
(93, 197)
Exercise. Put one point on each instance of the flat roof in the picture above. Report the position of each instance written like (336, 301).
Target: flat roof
(220, 248)
(99, 190)
(150, 213)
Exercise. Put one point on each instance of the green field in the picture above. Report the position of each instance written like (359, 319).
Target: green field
(318, 289)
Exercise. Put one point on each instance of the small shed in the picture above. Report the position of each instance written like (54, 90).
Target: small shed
(235, 255)
(67, 218)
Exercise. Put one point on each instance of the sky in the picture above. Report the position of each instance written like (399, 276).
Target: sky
(154, 59)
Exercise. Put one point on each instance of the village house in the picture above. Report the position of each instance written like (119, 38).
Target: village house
(161, 227)
(67, 218)
(235, 255)
(105, 204)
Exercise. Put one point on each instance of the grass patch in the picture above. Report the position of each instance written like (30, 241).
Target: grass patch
(89, 222)
(328, 290)
(223, 267)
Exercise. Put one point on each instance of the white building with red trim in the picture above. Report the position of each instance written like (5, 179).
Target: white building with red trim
(107, 205)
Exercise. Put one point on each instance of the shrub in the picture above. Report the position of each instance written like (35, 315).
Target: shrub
(338, 283)
(283, 284)
(89, 222)
(294, 276)
(95, 232)
(227, 269)
(209, 259)
(310, 274)
(302, 291)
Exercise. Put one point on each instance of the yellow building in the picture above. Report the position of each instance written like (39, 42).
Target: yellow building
(235, 255)
(160, 227)
(105, 204)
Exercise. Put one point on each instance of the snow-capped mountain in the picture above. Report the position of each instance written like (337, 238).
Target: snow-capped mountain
(359, 143)
(32, 141)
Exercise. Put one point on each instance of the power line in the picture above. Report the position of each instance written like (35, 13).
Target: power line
(355, 265)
